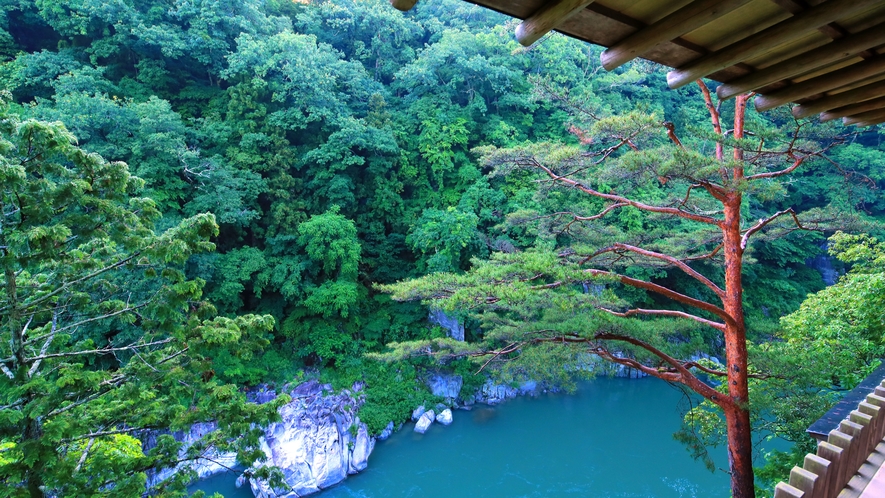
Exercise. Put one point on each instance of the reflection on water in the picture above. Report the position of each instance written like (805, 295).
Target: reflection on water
(613, 438)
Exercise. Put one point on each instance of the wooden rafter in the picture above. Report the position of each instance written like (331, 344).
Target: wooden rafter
(684, 20)
(768, 39)
(805, 62)
(824, 83)
(821, 54)
(861, 94)
(853, 109)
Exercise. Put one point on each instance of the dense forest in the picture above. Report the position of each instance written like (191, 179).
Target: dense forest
(265, 165)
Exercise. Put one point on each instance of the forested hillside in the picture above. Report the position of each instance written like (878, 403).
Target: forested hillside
(335, 143)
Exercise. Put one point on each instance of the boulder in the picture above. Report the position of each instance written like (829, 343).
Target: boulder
(417, 412)
(444, 417)
(424, 422)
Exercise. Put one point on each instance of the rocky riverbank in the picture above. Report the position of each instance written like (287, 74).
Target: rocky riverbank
(318, 443)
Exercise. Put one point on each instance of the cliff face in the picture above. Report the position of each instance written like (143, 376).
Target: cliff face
(318, 442)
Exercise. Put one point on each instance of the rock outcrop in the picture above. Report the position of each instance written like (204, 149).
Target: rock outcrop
(445, 386)
(318, 443)
(214, 462)
(492, 393)
(454, 328)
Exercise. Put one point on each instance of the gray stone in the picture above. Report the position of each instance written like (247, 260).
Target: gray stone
(445, 386)
(444, 417)
(318, 443)
(417, 412)
(424, 422)
(214, 463)
(454, 328)
(386, 432)
(492, 393)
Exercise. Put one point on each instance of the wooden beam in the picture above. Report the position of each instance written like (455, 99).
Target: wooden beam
(851, 110)
(838, 50)
(865, 117)
(684, 20)
(403, 5)
(861, 94)
(769, 38)
(870, 123)
(547, 18)
(833, 30)
(839, 77)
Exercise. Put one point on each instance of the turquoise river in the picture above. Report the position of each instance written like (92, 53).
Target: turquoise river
(612, 438)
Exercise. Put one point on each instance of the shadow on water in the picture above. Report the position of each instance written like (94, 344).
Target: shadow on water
(612, 438)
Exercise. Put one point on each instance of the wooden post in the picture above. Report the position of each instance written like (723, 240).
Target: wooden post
(833, 454)
(805, 62)
(824, 83)
(859, 440)
(823, 469)
(867, 92)
(769, 38)
(843, 441)
(783, 490)
(549, 17)
(684, 20)
(804, 481)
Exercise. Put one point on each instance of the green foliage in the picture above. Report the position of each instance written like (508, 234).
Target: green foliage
(104, 336)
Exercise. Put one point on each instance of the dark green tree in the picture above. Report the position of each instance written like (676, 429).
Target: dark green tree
(104, 337)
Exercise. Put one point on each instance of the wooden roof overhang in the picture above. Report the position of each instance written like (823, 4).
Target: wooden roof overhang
(826, 55)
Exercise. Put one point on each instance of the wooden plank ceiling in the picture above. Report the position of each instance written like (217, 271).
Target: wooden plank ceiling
(826, 55)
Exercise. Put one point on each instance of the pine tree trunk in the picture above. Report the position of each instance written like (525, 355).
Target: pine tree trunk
(737, 417)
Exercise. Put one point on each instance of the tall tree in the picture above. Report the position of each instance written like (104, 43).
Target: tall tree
(103, 336)
(685, 209)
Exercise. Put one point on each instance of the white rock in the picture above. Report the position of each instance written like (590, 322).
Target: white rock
(424, 422)
(444, 417)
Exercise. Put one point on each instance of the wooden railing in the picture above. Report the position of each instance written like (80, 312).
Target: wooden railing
(841, 456)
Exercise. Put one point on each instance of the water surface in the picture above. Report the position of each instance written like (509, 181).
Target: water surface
(612, 438)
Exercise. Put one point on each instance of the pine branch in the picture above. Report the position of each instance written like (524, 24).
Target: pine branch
(775, 174)
(620, 199)
(678, 314)
(663, 257)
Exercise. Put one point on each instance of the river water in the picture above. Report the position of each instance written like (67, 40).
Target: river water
(612, 438)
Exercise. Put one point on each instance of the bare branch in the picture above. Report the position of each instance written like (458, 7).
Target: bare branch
(620, 199)
(678, 314)
(96, 351)
(775, 174)
(663, 257)
(761, 224)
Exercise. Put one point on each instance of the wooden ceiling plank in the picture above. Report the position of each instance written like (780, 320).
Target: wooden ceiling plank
(684, 20)
(854, 109)
(840, 77)
(833, 52)
(769, 38)
(864, 117)
(548, 18)
(861, 94)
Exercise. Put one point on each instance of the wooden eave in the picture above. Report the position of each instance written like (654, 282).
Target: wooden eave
(824, 55)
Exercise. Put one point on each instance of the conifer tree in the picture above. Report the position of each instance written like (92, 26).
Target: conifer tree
(657, 204)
